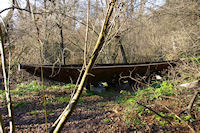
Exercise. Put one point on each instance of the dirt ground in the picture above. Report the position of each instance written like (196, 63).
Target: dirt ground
(94, 113)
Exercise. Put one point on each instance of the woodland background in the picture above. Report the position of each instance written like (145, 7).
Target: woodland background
(65, 32)
(147, 32)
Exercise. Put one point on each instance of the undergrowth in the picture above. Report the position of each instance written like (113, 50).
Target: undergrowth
(138, 116)
(161, 103)
(34, 87)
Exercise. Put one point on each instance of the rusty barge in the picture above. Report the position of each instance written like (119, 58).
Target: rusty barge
(99, 73)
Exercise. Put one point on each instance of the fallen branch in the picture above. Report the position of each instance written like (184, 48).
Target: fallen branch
(141, 104)
(131, 77)
(192, 101)
(190, 105)
(168, 97)
(191, 85)
(192, 130)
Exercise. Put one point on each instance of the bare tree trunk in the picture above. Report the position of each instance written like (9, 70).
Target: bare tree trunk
(142, 6)
(107, 3)
(86, 35)
(118, 37)
(41, 45)
(97, 7)
(46, 42)
(74, 13)
(62, 45)
(132, 7)
(6, 79)
(57, 126)
(123, 53)
(6, 85)
(60, 26)
(2, 130)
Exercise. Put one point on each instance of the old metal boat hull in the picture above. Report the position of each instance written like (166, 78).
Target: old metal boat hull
(103, 72)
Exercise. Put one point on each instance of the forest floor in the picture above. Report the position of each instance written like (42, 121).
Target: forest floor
(94, 112)
(111, 111)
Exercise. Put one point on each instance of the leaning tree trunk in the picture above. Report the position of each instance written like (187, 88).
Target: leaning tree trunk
(57, 126)
(6, 85)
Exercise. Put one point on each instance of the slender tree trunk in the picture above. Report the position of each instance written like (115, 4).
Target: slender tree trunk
(46, 42)
(107, 3)
(86, 35)
(6, 79)
(62, 45)
(6, 85)
(132, 7)
(57, 126)
(123, 53)
(41, 45)
(60, 26)
(97, 8)
(142, 6)
(74, 13)
(2, 130)
(118, 37)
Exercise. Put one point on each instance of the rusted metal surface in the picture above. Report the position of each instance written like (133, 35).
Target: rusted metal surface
(101, 72)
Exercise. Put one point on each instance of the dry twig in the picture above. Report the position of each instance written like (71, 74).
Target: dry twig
(190, 105)
(154, 111)
(193, 131)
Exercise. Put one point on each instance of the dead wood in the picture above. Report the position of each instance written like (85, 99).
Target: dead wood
(191, 85)
(192, 101)
(192, 130)
(132, 78)
(149, 108)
